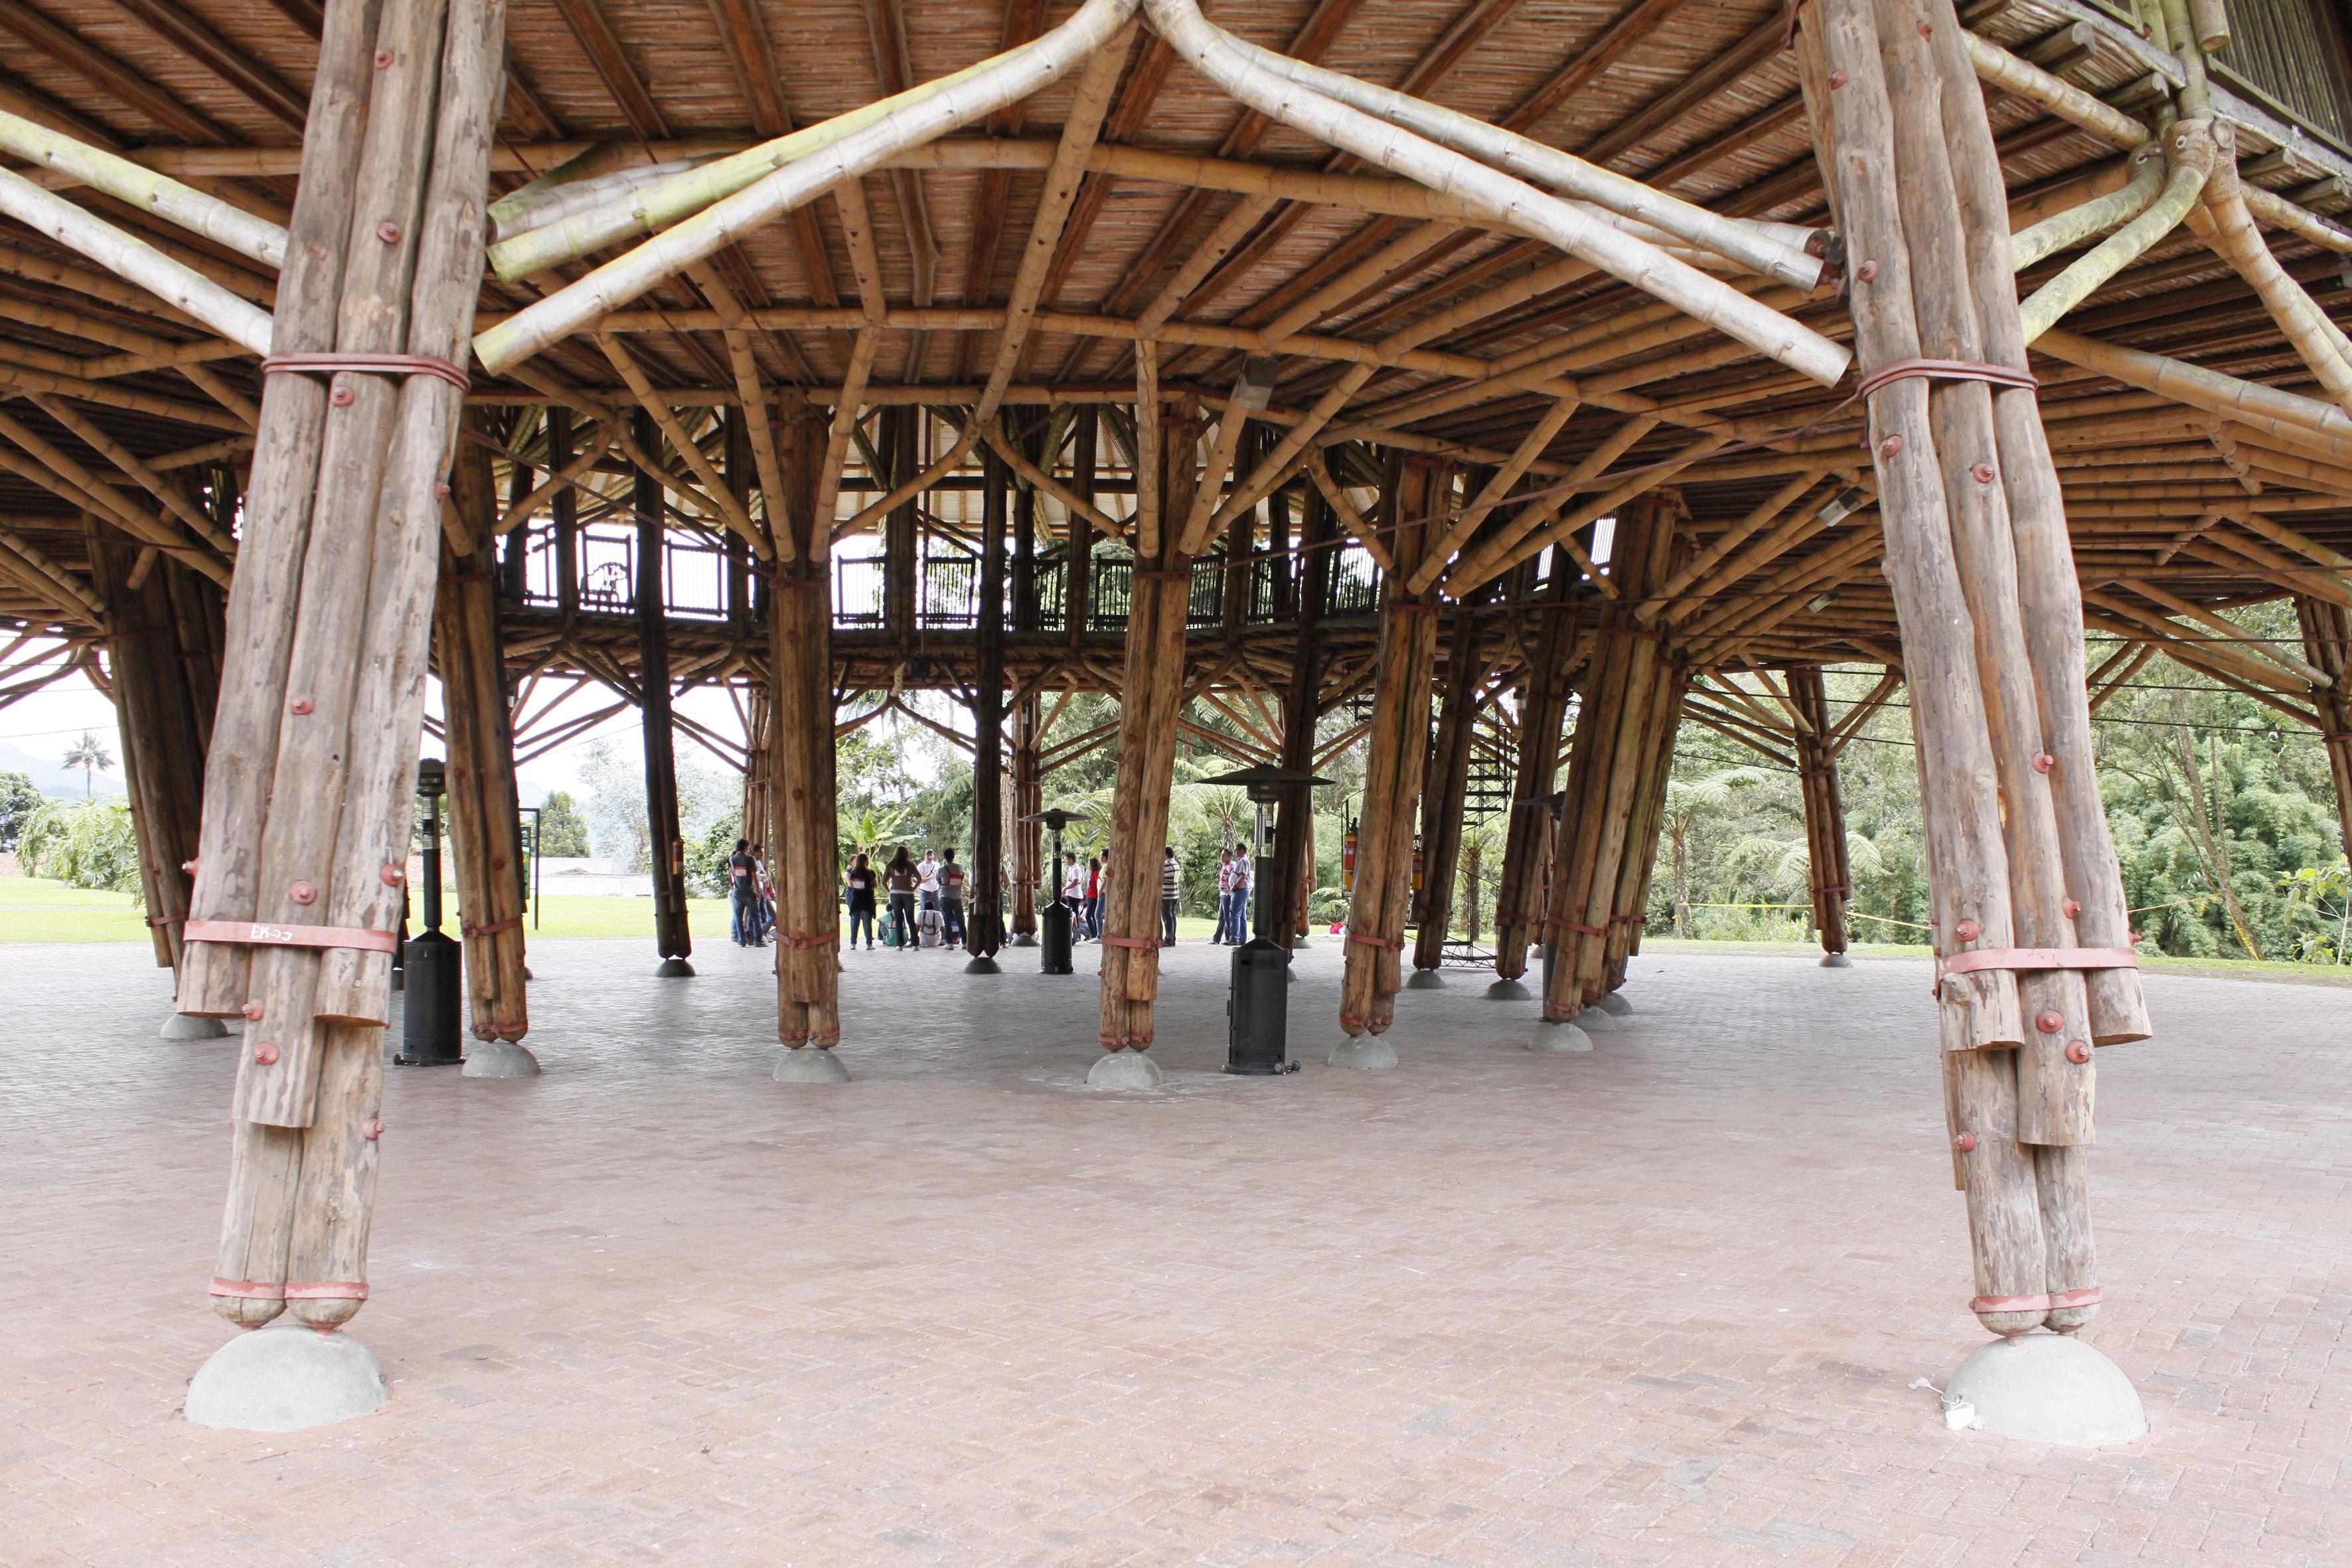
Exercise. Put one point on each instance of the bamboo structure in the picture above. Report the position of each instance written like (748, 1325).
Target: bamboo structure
(802, 832)
(1521, 906)
(1444, 788)
(1829, 870)
(664, 841)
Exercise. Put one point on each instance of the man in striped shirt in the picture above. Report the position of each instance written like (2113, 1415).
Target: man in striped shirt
(1169, 890)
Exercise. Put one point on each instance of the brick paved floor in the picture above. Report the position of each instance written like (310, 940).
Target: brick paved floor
(1656, 1305)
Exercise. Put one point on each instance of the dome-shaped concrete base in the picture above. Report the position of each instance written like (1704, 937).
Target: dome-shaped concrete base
(1558, 1038)
(286, 1378)
(674, 969)
(1365, 1053)
(807, 1064)
(2047, 1388)
(499, 1059)
(1125, 1069)
(1425, 980)
(1024, 940)
(188, 1026)
(1614, 1003)
(1836, 961)
(982, 964)
(1594, 1020)
(1508, 990)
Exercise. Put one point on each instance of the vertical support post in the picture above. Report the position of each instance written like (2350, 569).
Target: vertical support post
(1078, 556)
(1398, 753)
(738, 470)
(1302, 711)
(564, 509)
(803, 836)
(983, 920)
(485, 816)
(901, 548)
(1448, 788)
(2327, 646)
(1520, 899)
(1641, 861)
(1817, 782)
(1028, 838)
(664, 839)
(1024, 539)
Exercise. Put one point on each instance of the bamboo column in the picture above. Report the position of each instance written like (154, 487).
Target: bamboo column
(982, 918)
(2327, 646)
(1151, 700)
(309, 786)
(1078, 555)
(486, 819)
(1293, 868)
(2028, 903)
(1447, 787)
(802, 836)
(1398, 751)
(163, 650)
(901, 542)
(666, 843)
(1817, 781)
(1519, 898)
(1641, 860)
(1028, 837)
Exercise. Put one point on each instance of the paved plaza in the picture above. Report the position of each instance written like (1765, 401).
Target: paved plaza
(1661, 1304)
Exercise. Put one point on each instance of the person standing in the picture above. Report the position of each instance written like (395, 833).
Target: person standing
(763, 910)
(951, 883)
(742, 890)
(1094, 896)
(1224, 896)
(860, 880)
(1073, 893)
(1170, 889)
(1244, 870)
(900, 879)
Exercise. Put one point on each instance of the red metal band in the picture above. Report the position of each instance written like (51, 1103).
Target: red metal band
(328, 1290)
(167, 920)
(1556, 922)
(1944, 370)
(2063, 1298)
(785, 938)
(250, 1289)
(368, 364)
(2010, 1304)
(1144, 941)
(2037, 958)
(1394, 942)
(513, 922)
(255, 933)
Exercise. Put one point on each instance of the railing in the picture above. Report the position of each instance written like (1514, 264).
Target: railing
(695, 576)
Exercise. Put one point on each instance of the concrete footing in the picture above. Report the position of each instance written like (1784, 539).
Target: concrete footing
(808, 1064)
(1558, 1038)
(499, 1059)
(286, 1378)
(188, 1026)
(1508, 991)
(674, 969)
(1614, 1003)
(1425, 980)
(982, 964)
(1365, 1053)
(1125, 1069)
(1836, 961)
(2045, 1388)
(1594, 1019)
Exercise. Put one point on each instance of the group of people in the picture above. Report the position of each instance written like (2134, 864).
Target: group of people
(925, 894)
(751, 894)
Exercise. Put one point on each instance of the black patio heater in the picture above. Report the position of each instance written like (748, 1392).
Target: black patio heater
(1257, 1010)
(1054, 919)
(432, 995)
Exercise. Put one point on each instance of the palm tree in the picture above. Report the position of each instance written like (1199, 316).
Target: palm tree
(92, 758)
(1688, 803)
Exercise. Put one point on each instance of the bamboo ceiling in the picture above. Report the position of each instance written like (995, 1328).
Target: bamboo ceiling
(1695, 96)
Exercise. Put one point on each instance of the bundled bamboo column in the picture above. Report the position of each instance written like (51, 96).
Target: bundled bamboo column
(486, 817)
(1623, 707)
(2327, 646)
(308, 788)
(664, 841)
(1397, 755)
(1151, 700)
(1028, 836)
(984, 919)
(802, 834)
(759, 814)
(1293, 868)
(163, 650)
(2022, 871)
(1448, 786)
(1520, 900)
(1641, 860)
(1817, 781)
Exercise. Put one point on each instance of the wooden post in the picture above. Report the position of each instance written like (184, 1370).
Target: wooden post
(1448, 786)
(563, 510)
(1641, 861)
(1302, 710)
(1816, 783)
(1151, 700)
(982, 912)
(486, 821)
(309, 786)
(802, 836)
(901, 543)
(1519, 900)
(1028, 838)
(664, 842)
(1078, 555)
(1398, 753)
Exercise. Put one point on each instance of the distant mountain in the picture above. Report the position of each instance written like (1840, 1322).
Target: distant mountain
(53, 778)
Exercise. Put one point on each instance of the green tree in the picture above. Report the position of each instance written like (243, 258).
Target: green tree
(92, 758)
(19, 801)
(562, 831)
(90, 844)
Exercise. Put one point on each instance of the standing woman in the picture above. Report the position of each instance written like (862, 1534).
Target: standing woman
(859, 879)
(901, 877)
(1094, 895)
